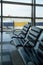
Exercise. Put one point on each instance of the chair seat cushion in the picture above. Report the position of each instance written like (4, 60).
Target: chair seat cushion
(16, 41)
(24, 55)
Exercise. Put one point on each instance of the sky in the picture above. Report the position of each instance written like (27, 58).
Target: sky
(21, 10)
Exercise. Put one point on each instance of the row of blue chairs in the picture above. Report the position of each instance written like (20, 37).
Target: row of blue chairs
(29, 44)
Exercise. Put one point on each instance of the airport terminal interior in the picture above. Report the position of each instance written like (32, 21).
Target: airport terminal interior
(21, 32)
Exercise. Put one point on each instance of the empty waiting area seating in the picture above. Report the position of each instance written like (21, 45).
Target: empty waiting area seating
(30, 39)
(23, 33)
(40, 51)
(35, 53)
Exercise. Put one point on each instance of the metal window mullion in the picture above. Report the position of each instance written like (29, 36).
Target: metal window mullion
(39, 5)
(1, 29)
(34, 14)
(38, 17)
(21, 3)
(17, 17)
(17, 3)
(22, 17)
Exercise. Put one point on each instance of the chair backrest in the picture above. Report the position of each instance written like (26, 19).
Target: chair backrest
(38, 49)
(39, 53)
(33, 35)
(25, 30)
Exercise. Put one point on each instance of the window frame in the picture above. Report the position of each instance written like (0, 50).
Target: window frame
(33, 15)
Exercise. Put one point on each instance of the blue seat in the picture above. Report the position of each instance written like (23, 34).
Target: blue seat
(23, 32)
(29, 50)
(39, 52)
(21, 36)
(31, 38)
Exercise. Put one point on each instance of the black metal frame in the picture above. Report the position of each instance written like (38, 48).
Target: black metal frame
(1, 31)
(21, 3)
(23, 17)
(34, 13)
(1, 19)
(17, 3)
(33, 16)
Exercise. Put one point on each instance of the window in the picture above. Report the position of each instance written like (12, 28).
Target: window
(0, 29)
(39, 1)
(14, 23)
(39, 23)
(39, 11)
(39, 14)
(0, 18)
(0, 9)
(16, 10)
(11, 11)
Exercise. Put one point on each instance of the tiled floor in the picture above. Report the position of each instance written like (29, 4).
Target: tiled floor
(7, 48)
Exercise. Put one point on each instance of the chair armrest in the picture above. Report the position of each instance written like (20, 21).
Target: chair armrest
(40, 41)
(16, 34)
(19, 45)
(17, 37)
(31, 63)
(26, 43)
(19, 33)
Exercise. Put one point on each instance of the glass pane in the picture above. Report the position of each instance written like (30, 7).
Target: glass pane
(16, 10)
(0, 34)
(39, 11)
(0, 40)
(14, 23)
(39, 1)
(0, 19)
(39, 23)
(26, 1)
(0, 29)
(0, 23)
(0, 9)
